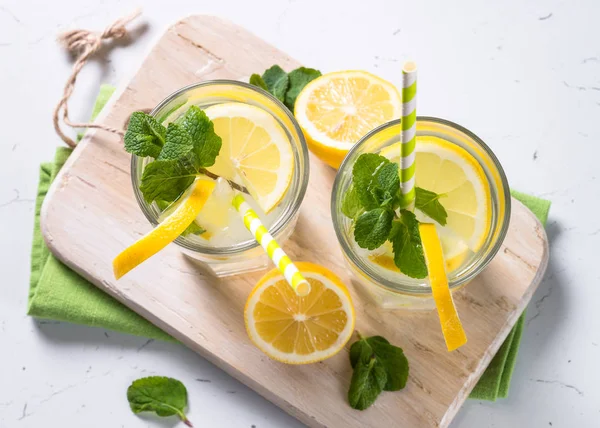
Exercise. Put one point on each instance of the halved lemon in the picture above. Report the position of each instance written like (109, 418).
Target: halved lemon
(168, 230)
(337, 109)
(445, 168)
(300, 330)
(452, 329)
(255, 150)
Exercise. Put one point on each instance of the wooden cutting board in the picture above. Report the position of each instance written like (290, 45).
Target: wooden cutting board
(90, 215)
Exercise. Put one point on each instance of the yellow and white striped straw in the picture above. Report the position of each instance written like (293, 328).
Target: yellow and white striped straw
(408, 136)
(285, 265)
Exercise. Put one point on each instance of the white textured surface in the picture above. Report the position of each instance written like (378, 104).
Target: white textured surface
(525, 76)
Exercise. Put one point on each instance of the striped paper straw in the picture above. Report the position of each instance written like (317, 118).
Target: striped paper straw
(408, 134)
(285, 265)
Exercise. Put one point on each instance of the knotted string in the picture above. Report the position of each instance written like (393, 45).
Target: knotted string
(84, 44)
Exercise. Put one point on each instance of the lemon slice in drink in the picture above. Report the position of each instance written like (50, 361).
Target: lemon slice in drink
(255, 150)
(445, 168)
(300, 330)
(168, 230)
(337, 109)
(452, 329)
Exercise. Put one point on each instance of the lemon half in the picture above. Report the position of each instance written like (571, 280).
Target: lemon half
(338, 109)
(300, 330)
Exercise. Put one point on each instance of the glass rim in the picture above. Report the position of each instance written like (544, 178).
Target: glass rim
(421, 291)
(288, 214)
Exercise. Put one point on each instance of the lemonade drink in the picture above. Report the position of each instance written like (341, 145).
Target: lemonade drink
(468, 181)
(264, 156)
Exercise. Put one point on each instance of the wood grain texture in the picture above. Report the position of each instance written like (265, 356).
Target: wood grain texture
(90, 215)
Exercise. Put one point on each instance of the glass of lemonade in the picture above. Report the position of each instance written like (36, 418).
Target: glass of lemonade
(225, 247)
(450, 161)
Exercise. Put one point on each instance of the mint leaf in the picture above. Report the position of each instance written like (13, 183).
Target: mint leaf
(256, 80)
(166, 180)
(298, 79)
(360, 350)
(428, 202)
(373, 228)
(178, 143)
(368, 380)
(193, 229)
(351, 206)
(408, 249)
(163, 395)
(144, 136)
(386, 184)
(363, 174)
(391, 357)
(277, 82)
(393, 360)
(388, 178)
(387, 357)
(206, 143)
(283, 86)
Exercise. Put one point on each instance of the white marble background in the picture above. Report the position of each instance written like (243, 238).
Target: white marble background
(524, 75)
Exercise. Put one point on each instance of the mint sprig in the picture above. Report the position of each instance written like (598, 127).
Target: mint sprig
(162, 395)
(378, 366)
(182, 151)
(373, 202)
(285, 86)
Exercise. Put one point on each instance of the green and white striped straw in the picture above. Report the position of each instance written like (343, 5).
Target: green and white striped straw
(408, 136)
(285, 265)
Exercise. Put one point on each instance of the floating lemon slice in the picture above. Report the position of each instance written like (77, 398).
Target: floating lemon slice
(168, 230)
(255, 150)
(300, 330)
(337, 109)
(454, 335)
(445, 168)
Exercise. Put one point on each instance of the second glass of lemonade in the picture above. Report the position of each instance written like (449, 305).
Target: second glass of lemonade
(455, 164)
(223, 245)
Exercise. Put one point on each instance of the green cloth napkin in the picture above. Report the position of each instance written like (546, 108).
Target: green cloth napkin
(495, 381)
(58, 293)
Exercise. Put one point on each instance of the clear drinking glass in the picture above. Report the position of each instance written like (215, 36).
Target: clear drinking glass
(392, 290)
(247, 255)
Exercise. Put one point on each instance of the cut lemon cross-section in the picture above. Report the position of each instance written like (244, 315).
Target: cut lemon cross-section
(168, 230)
(452, 329)
(337, 109)
(255, 150)
(445, 168)
(300, 330)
